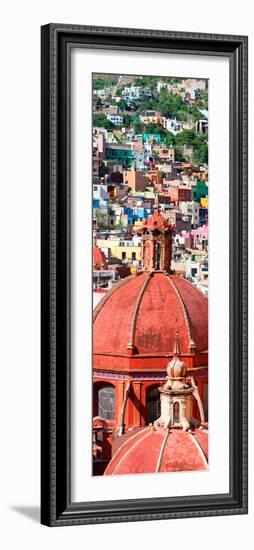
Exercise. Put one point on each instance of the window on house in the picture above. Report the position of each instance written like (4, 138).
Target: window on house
(133, 255)
(106, 402)
(123, 255)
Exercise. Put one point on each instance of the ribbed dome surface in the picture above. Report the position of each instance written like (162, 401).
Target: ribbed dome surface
(145, 310)
(156, 450)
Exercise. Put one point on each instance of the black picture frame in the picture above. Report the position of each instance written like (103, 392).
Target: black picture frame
(56, 506)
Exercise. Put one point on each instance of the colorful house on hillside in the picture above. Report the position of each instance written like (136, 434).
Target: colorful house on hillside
(200, 190)
(152, 138)
(122, 153)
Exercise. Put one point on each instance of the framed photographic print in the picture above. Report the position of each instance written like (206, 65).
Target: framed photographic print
(144, 275)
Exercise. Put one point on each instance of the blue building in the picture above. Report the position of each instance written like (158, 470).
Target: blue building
(137, 213)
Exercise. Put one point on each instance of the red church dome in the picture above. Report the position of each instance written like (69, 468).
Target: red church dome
(142, 312)
(99, 258)
(138, 327)
(150, 450)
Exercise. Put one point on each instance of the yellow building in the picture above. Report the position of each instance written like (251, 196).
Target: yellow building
(151, 119)
(204, 202)
(112, 247)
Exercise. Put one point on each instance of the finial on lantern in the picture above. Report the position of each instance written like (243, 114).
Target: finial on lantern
(177, 351)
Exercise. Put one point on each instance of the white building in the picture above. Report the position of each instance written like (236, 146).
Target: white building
(162, 85)
(115, 119)
(111, 137)
(173, 126)
(191, 208)
(139, 160)
(202, 126)
(137, 92)
(100, 192)
(173, 88)
(197, 270)
(195, 84)
(104, 92)
(117, 216)
(108, 134)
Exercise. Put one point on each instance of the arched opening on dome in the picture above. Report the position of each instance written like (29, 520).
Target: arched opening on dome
(104, 400)
(157, 255)
(153, 404)
(176, 416)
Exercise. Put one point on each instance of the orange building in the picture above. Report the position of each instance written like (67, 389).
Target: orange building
(177, 194)
(137, 181)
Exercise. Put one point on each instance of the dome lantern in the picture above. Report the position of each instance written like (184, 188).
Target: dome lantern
(176, 394)
(156, 244)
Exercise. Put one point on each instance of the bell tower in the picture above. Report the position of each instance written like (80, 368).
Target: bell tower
(156, 247)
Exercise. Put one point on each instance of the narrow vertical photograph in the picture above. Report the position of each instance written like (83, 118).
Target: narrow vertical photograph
(150, 274)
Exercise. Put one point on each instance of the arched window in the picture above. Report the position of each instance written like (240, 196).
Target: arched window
(153, 405)
(106, 402)
(157, 255)
(176, 412)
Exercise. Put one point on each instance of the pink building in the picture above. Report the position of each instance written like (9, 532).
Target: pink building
(200, 237)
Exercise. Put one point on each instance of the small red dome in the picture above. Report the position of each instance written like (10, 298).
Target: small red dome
(152, 450)
(144, 310)
(99, 258)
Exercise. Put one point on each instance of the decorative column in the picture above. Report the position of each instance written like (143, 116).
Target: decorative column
(119, 401)
(137, 403)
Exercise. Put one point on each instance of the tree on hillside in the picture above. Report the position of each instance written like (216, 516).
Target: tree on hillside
(200, 154)
(101, 83)
(159, 129)
(197, 141)
(194, 113)
(122, 104)
(101, 121)
(179, 157)
(203, 100)
(170, 104)
(186, 137)
(150, 81)
(170, 139)
(138, 127)
(127, 120)
(101, 218)
(145, 104)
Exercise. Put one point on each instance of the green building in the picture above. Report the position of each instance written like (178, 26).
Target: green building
(200, 190)
(152, 137)
(120, 153)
